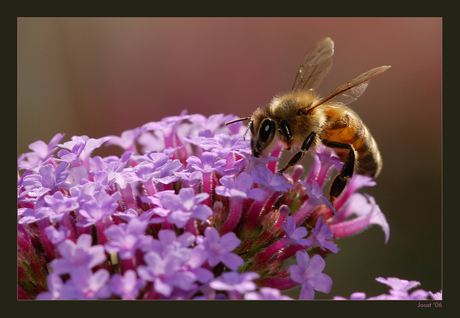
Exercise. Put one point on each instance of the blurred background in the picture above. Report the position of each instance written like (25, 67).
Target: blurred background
(101, 76)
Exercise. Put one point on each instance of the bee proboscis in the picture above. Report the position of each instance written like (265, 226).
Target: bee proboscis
(303, 120)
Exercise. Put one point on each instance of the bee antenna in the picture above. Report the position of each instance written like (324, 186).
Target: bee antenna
(236, 120)
(241, 119)
(247, 128)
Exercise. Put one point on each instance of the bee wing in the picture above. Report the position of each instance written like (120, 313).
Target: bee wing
(316, 64)
(350, 91)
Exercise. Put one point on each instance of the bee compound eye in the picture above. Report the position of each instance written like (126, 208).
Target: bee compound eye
(267, 130)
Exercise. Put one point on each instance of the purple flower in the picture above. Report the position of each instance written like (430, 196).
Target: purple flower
(29, 215)
(266, 293)
(47, 180)
(398, 284)
(211, 123)
(87, 285)
(74, 256)
(220, 249)
(236, 168)
(176, 120)
(223, 144)
(167, 241)
(400, 287)
(418, 294)
(78, 174)
(127, 140)
(165, 123)
(31, 190)
(110, 170)
(85, 191)
(55, 285)
(399, 291)
(127, 214)
(168, 173)
(126, 238)
(308, 273)
(234, 281)
(207, 163)
(60, 205)
(169, 128)
(166, 272)
(151, 141)
(321, 234)
(126, 286)
(241, 188)
(158, 168)
(253, 162)
(190, 178)
(264, 176)
(156, 159)
(192, 203)
(356, 182)
(295, 235)
(316, 195)
(368, 213)
(325, 161)
(101, 206)
(192, 258)
(436, 296)
(354, 296)
(57, 236)
(184, 206)
(197, 258)
(80, 148)
(41, 153)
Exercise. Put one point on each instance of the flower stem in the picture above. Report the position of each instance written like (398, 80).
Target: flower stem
(150, 188)
(260, 207)
(233, 217)
(49, 248)
(191, 227)
(128, 197)
(100, 227)
(126, 264)
(320, 172)
(275, 153)
(69, 223)
(279, 283)
(302, 213)
(269, 252)
(207, 187)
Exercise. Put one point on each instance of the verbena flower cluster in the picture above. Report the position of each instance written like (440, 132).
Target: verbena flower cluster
(184, 213)
(399, 291)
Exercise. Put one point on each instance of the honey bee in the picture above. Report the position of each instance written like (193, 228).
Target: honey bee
(302, 120)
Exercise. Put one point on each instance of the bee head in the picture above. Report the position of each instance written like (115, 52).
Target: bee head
(263, 130)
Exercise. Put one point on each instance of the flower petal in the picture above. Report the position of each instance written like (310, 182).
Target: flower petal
(232, 261)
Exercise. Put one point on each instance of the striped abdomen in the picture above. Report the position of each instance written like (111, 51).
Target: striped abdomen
(342, 125)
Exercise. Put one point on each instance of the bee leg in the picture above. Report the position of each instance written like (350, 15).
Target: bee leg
(340, 181)
(303, 150)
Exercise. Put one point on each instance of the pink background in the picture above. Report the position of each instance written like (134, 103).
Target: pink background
(101, 76)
